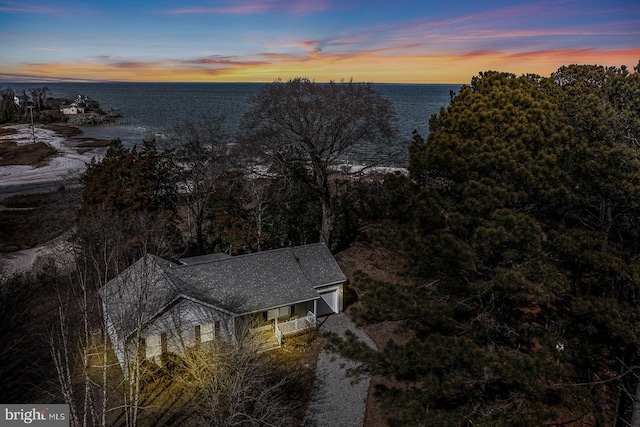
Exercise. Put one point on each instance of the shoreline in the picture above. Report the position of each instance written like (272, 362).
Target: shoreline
(72, 152)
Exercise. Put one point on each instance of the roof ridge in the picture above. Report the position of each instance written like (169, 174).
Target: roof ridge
(242, 256)
(165, 271)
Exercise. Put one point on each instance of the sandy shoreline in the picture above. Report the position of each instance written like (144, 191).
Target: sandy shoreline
(66, 165)
(69, 163)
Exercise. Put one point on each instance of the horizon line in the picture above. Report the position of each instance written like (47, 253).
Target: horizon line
(4, 82)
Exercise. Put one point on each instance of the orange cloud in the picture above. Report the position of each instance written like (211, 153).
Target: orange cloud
(404, 64)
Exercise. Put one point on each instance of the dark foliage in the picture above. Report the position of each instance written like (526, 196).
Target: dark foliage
(301, 124)
(130, 180)
(519, 222)
(26, 372)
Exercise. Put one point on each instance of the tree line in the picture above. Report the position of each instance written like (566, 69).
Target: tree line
(276, 184)
(517, 231)
(19, 106)
(15, 106)
(519, 225)
(199, 194)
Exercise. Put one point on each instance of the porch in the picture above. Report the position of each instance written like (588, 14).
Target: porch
(272, 336)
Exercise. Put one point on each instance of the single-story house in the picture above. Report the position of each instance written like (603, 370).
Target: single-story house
(71, 109)
(156, 306)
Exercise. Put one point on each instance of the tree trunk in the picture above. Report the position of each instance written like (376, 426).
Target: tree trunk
(328, 220)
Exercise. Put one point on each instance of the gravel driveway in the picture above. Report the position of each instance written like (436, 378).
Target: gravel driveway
(336, 400)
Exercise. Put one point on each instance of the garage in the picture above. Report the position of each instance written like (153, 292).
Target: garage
(329, 301)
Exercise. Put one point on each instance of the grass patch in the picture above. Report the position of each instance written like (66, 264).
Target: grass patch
(21, 201)
(30, 155)
(296, 360)
(36, 218)
(94, 143)
(88, 144)
(64, 130)
(8, 131)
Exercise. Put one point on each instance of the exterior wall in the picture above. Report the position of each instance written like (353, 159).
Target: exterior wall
(178, 324)
(118, 346)
(294, 310)
(70, 110)
(303, 308)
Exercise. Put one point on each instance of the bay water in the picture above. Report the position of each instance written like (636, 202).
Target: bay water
(155, 109)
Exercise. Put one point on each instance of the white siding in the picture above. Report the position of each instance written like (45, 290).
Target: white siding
(180, 321)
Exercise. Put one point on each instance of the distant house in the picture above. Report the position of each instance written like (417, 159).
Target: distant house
(71, 109)
(157, 307)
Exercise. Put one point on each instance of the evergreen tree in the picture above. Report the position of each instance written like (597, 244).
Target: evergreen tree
(130, 179)
(521, 215)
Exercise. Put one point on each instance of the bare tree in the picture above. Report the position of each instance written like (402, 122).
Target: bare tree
(227, 383)
(39, 97)
(103, 244)
(317, 126)
(204, 157)
(131, 303)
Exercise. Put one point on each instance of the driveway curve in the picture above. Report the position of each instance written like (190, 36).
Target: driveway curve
(338, 401)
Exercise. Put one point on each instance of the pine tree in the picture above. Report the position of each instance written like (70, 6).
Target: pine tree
(521, 215)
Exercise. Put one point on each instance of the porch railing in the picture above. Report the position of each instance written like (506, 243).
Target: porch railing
(278, 334)
(281, 329)
(295, 325)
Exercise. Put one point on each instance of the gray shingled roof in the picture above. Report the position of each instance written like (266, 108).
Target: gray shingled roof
(204, 258)
(318, 264)
(144, 288)
(240, 284)
(247, 283)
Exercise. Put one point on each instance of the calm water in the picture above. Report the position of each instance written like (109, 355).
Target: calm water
(153, 109)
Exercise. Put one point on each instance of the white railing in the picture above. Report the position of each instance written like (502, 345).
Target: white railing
(278, 334)
(295, 325)
(281, 329)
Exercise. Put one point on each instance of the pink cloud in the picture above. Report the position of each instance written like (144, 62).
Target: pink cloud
(244, 9)
(224, 61)
(250, 7)
(25, 7)
(303, 7)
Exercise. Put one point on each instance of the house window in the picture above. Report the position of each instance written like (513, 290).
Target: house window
(154, 346)
(197, 335)
(278, 312)
(284, 311)
(207, 332)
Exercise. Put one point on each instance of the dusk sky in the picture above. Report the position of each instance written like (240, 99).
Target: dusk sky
(401, 41)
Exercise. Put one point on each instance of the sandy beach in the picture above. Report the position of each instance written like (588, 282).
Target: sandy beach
(67, 164)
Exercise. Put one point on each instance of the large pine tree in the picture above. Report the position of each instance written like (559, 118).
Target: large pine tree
(523, 214)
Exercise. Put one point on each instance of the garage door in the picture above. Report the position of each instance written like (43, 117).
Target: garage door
(328, 302)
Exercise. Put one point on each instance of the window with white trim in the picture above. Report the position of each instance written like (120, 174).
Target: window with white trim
(207, 332)
(284, 311)
(278, 312)
(154, 346)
